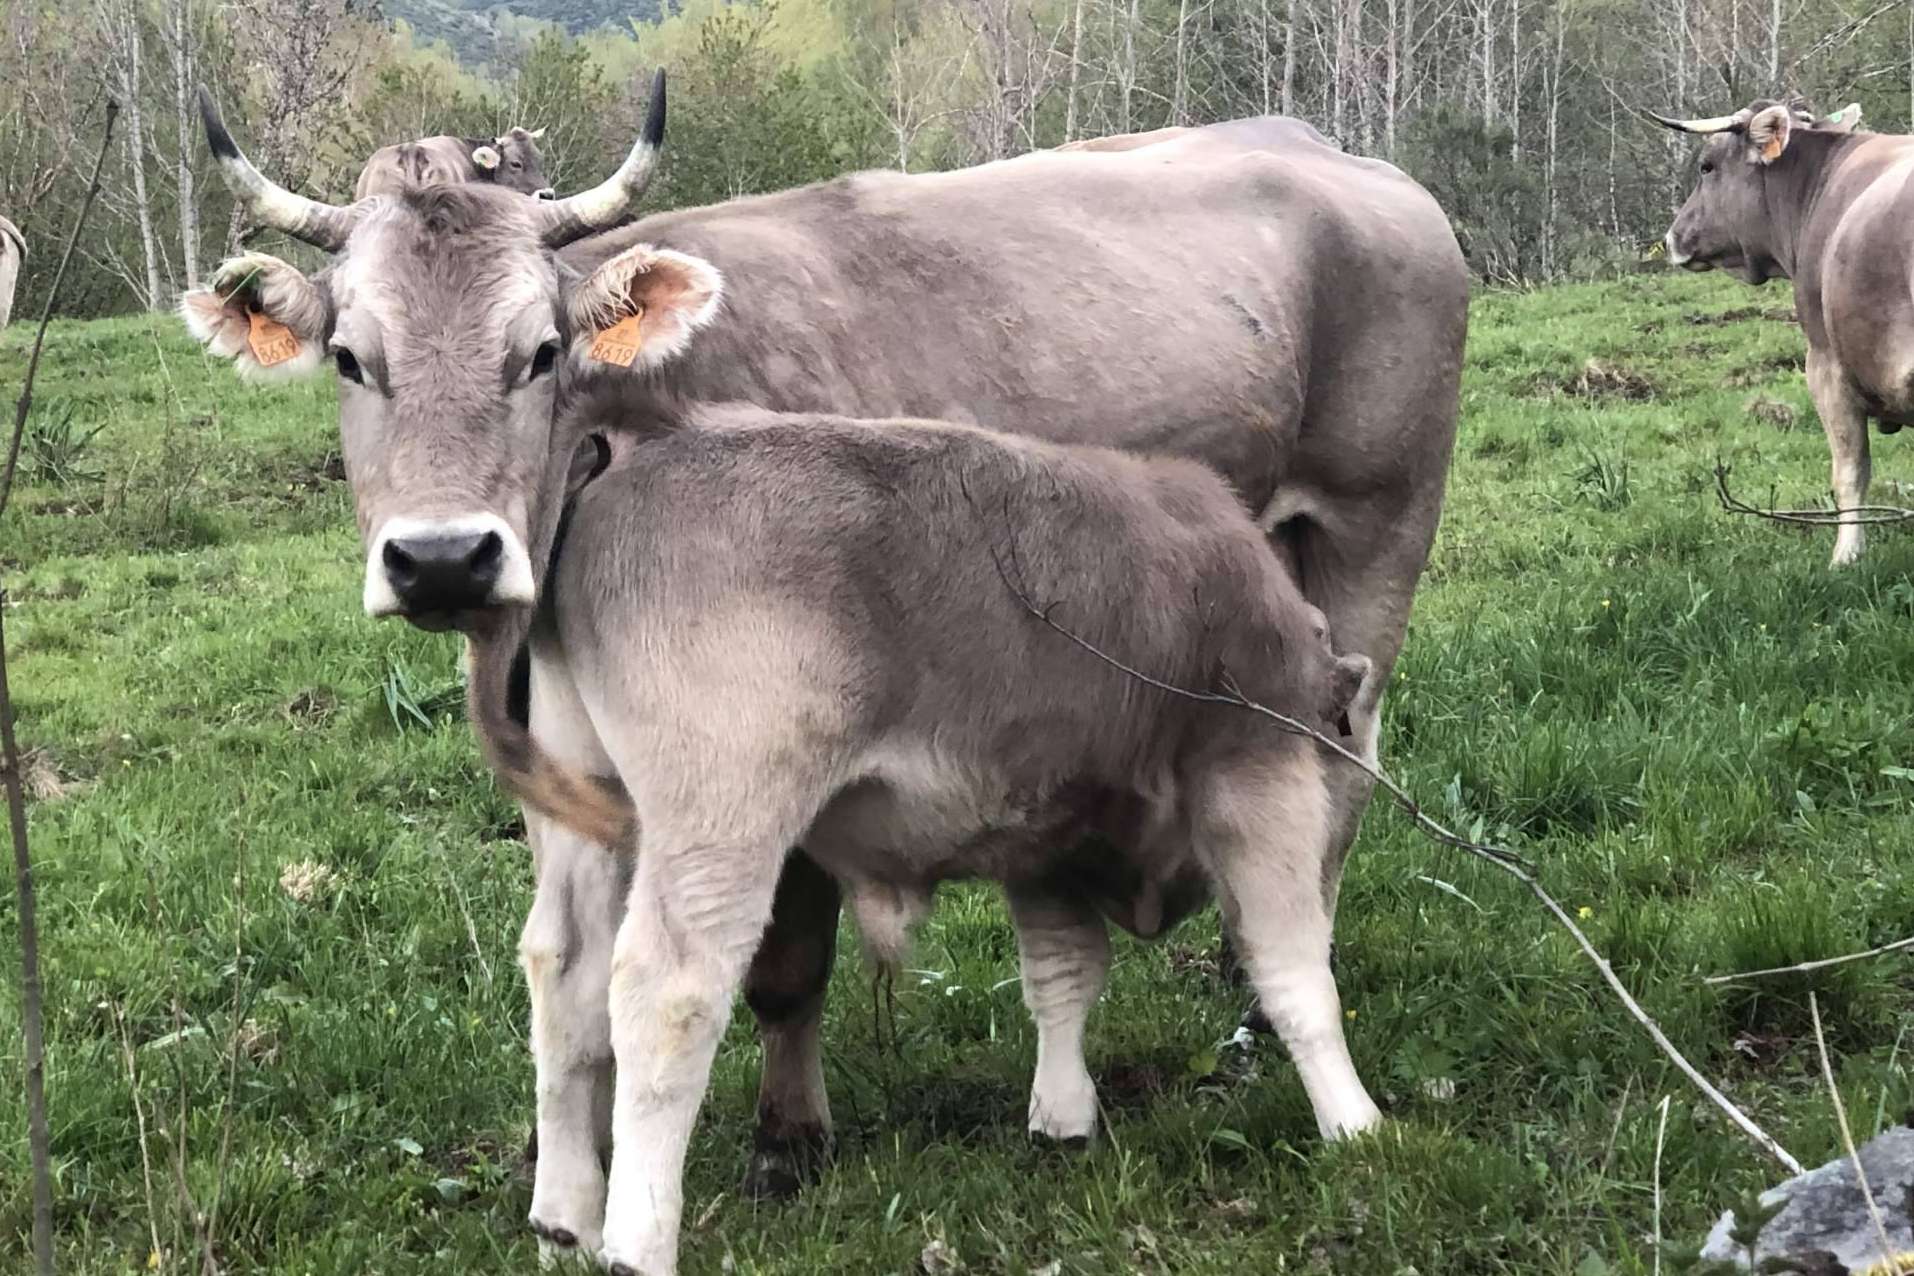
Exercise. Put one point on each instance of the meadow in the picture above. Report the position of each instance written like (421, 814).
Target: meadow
(280, 897)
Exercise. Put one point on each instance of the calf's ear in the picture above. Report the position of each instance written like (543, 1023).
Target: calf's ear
(639, 309)
(263, 314)
(1352, 671)
(1768, 134)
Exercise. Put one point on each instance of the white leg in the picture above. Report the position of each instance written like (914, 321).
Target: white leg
(1065, 951)
(1844, 418)
(696, 911)
(566, 955)
(1263, 826)
(565, 951)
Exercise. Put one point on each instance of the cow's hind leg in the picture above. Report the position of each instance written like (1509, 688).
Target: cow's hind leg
(565, 951)
(1844, 419)
(1262, 825)
(785, 989)
(1065, 951)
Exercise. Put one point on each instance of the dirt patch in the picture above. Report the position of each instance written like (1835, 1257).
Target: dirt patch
(1772, 411)
(1599, 380)
(1741, 314)
(1133, 1085)
(68, 507)
(1765, 369)
(46, 779)
(310, 708)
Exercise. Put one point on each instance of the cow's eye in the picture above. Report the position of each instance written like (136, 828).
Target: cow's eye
(542, 361)
(1707, 167)
(348, 365)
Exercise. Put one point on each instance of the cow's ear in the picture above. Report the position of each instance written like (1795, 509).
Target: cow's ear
(485, 157)
(1768, 134)
(1845, 120)
(261, 313)
(639, 309)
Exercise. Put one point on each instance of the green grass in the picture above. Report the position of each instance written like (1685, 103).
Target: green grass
(1699, 732)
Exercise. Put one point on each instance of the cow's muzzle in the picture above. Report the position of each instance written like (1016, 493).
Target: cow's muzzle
(433, 572)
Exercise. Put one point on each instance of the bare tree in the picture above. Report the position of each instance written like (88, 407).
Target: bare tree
(119, 24)
(182, 41)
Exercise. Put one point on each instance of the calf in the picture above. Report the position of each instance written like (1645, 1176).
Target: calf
(765, 630)
(511, 161)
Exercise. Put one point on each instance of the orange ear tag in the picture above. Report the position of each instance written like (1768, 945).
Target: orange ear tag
(619, 343)
(272, 342)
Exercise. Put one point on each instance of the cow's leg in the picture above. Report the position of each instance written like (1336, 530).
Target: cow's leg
(1262, 824)
(1065, 952)
(785, 989)
(565, 951)
(1844, 418)
(698, 906)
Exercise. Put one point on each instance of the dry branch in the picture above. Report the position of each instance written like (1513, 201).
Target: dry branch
(1847, 1141)
(1853, 516)
(1506, 860)
(1801, 968)
(32, 1017)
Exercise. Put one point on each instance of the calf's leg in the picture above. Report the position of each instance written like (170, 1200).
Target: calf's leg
(698, 907)
(1262, 825)
(785, 989)
(1844, 419)
(1065, 952)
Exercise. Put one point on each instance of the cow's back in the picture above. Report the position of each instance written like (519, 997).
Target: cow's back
(1855, 284)
(1195, 296)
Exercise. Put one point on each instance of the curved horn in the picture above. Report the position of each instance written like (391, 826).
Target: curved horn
(1718, 124)
(321, 225)
(576, 216)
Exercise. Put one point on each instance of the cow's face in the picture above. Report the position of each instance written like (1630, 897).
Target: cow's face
(445, 321)
(1728, 221)
(520, 167)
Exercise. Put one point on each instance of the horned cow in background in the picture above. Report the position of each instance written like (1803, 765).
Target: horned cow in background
(1782, 194)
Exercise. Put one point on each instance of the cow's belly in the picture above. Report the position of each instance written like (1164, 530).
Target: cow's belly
(891, 837)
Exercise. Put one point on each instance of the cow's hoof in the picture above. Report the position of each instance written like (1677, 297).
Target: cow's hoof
(1257, 1022)
(623, 1269)
(784, 1165)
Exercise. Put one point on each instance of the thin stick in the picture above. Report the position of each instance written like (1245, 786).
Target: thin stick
(1851, 516)
(1898, 946)
(1661, 1133)
(1847, 1140)
(139, 1121)
(32, 1014)
(1506, 860)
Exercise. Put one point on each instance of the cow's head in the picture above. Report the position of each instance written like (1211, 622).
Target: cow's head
(512, 161)
(1731, 219)
(449, 320)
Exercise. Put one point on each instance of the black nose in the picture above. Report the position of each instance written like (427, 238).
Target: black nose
(444, 573)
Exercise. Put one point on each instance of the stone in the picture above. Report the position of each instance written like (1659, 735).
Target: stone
(1825, 1211)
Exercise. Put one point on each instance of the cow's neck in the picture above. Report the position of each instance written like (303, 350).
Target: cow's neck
(1792, 193)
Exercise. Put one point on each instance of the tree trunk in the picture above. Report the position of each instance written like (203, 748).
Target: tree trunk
(1289, 60)
(1076, 62)
(1392, 56)
(1179, 100)
(182, 51)
(136, 154)
(1515, 79)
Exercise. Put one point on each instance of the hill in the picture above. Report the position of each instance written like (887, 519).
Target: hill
(471, 27)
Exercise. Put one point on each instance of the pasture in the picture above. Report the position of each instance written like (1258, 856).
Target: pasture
(280, 897)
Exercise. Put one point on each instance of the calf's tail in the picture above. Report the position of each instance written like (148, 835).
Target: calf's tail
(597, 807)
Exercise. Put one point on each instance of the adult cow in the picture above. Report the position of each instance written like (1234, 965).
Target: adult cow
(13, 255)
(1291, 315)
(511, 161)
(1782, 194)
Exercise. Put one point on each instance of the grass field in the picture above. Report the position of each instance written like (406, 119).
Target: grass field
(280, 898)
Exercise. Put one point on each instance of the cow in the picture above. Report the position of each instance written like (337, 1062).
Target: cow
(13, 255)
(772, 629)
(1290, 315)
(511, 161)
(1781, 194)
